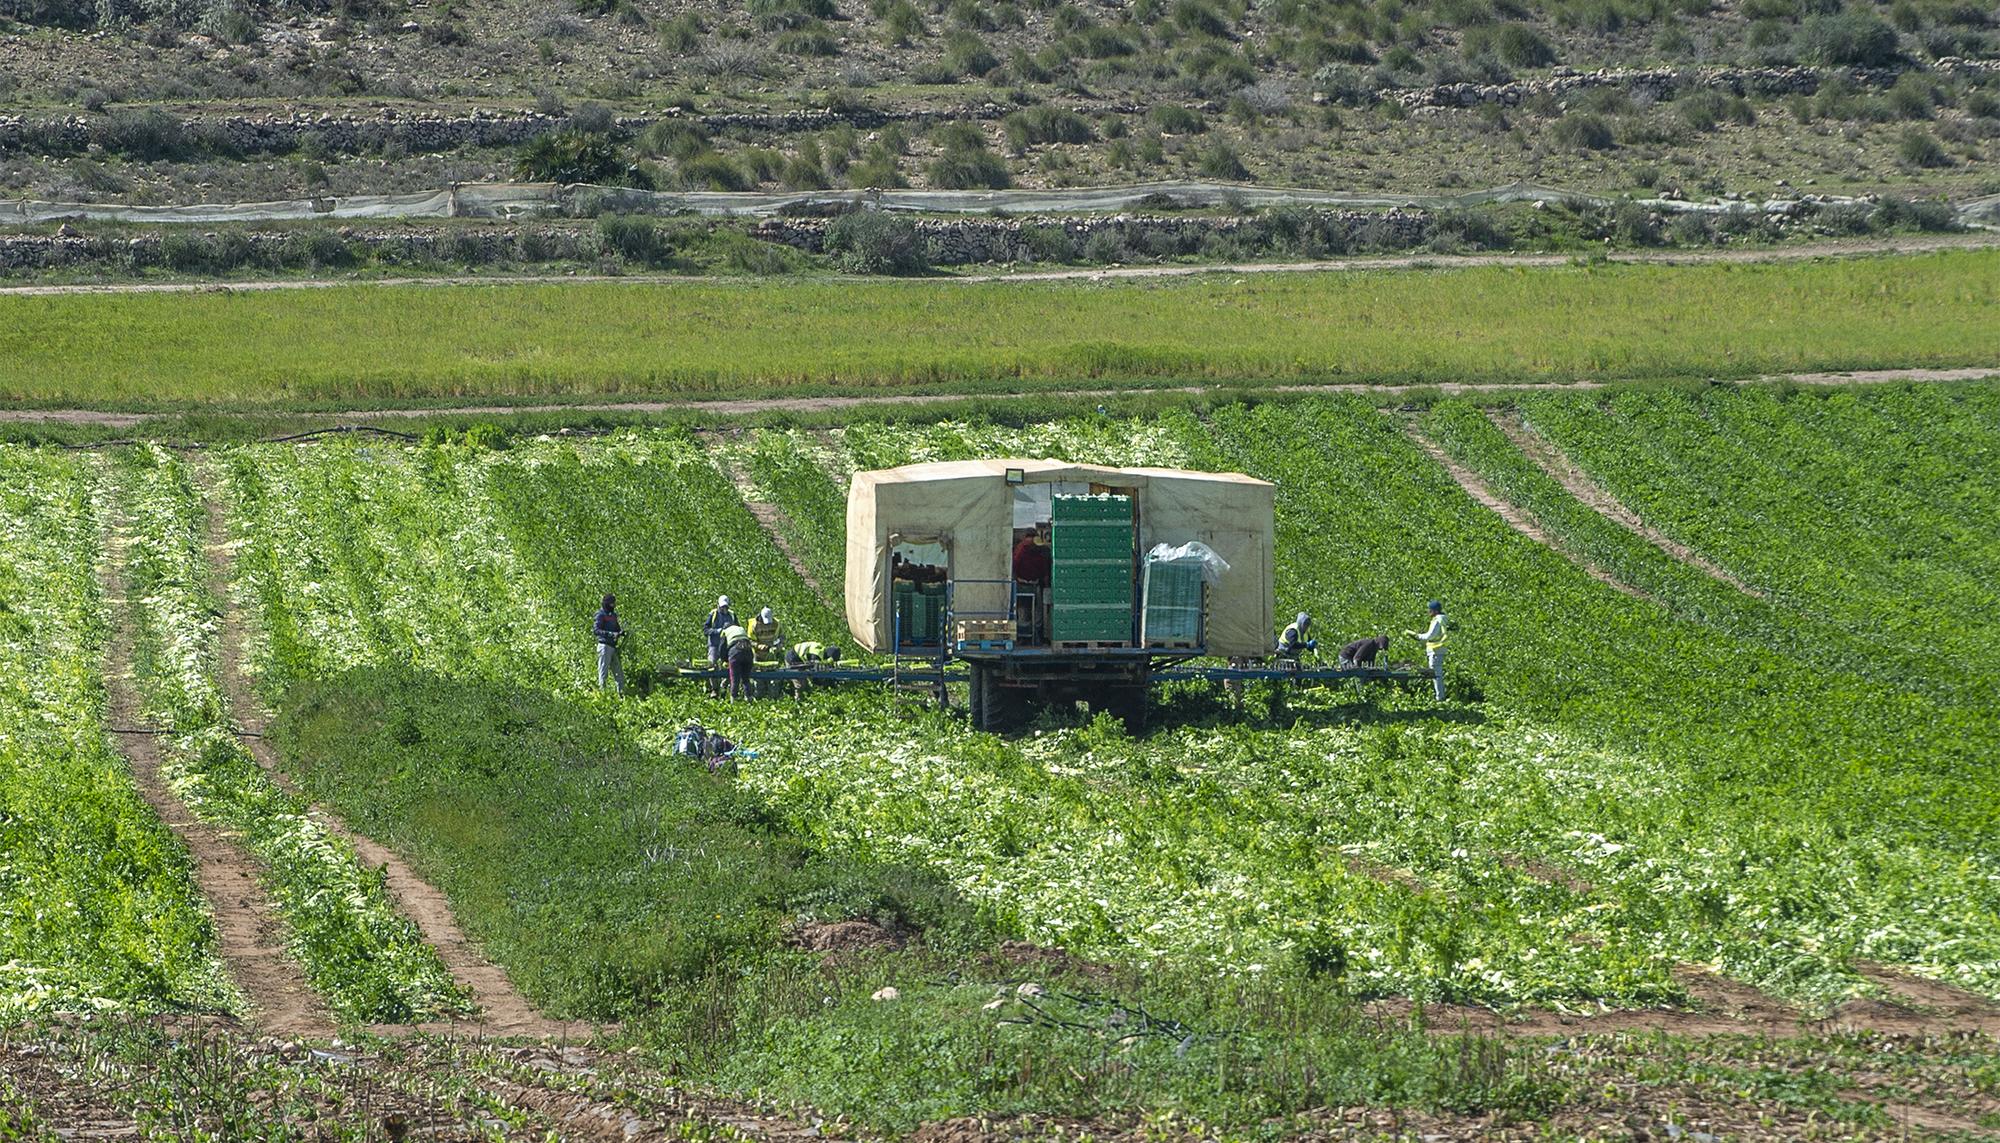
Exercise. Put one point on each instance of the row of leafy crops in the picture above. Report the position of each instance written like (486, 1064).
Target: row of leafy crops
(1640, 789)
(443, 598)
(481, 564)
(1793, 818)
(1868, 513)
(98, 907)
(369, 962)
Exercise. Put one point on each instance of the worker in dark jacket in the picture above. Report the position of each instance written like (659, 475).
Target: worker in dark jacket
(718, 620)
(1295, 640)
(1362, 652)
(609, 631)
(742, 659)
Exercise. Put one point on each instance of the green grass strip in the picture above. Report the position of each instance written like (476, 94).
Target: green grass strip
(366, 344)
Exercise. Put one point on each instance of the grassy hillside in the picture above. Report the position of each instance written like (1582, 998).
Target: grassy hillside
(1034, 92)
(364, 344)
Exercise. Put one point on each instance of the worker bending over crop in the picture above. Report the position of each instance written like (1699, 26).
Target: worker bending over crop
(609, 631)
(764, 633)
(1434, 638)
(804, 655)
(807, 654)
(742, 658)
(1362, 652)
(1295, 640)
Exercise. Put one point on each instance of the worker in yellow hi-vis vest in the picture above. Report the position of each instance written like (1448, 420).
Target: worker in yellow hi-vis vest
(1434, 638)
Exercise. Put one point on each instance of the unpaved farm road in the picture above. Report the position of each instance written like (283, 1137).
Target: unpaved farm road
(111, 418)
(1846, 247)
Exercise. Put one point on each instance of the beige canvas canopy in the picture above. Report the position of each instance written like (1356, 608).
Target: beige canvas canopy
(970, 509)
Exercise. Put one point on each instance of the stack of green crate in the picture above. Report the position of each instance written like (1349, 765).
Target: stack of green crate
(929, 612)
(903, 600)
(1092, 546)
(919, 611)
(1173, 602)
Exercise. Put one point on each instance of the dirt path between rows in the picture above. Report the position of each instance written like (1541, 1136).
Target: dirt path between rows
(502, 1010)
(1517, 519)
(249, 936)
(772, 519)
(115, 419)
(1842, 248)
(1550, 458)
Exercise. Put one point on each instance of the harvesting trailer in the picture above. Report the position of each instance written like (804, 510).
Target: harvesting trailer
(1146, 570)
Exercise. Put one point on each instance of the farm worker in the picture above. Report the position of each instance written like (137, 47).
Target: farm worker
(722, 617)
(1294, 642)
(609, 632)
(742, 659)
(1434, 638)
(1032, 562)
(803, 654)
(809, 655)
(1362, 652)
(764, 632)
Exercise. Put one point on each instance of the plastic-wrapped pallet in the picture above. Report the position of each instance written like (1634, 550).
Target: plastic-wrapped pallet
(1175, 601)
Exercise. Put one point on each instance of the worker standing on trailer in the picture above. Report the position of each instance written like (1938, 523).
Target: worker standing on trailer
(1033, 564)
(1434, 638)
(1295, 640)
(1362, 652)
(719, 620)
(764, 633)
(609, 631)
(742, 659)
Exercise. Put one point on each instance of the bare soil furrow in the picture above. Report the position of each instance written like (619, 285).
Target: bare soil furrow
(731, 407)
(502, 1010)
(1516, 519)
(773, 520)
(249, 934)
(1551, 459)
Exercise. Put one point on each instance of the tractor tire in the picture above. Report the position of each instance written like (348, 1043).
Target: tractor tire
(998, 708)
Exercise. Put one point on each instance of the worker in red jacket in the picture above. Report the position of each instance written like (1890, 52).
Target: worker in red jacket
(1032, 564)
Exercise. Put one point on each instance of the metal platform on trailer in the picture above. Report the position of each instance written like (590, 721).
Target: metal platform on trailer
(1003, 684)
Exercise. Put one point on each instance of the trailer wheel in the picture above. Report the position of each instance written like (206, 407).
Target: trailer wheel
(1127, 704)
(995, 707)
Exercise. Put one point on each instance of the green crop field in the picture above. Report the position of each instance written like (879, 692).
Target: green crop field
(365, 344)
(1232, 926)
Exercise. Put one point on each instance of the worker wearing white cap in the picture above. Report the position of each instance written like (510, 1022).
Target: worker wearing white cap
(764, 634)
(718, 621)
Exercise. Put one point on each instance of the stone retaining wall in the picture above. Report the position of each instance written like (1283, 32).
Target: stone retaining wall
(970, 241)
(433, 131)
(1667, 82)
(952, 241)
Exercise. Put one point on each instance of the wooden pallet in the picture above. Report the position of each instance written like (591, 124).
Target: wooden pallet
(986, 644)
(1174, 645)
(1092, 644)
